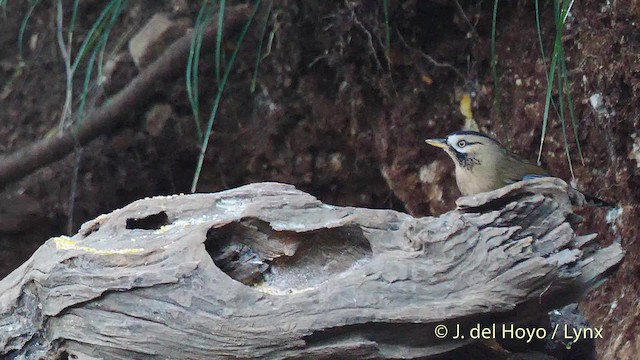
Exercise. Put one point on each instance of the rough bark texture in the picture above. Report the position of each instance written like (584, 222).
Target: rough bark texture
(266, 270)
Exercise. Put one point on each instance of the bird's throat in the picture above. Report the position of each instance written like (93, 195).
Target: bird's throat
(465, 161)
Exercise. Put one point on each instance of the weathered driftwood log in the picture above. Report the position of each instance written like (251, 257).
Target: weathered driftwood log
(266, 270)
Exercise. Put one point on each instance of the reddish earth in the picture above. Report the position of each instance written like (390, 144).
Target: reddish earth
(331, 115)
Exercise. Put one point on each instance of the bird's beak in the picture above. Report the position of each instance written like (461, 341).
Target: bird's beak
(441, 143)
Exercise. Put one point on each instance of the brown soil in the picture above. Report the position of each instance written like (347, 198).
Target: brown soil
(331, 115)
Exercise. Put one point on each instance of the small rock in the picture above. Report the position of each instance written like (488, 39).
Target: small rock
(113, 65)
(597, 103)
(33, 42)
(156, 119)
(335, 161)
(180, 6)
(634, 154)
(153, 38)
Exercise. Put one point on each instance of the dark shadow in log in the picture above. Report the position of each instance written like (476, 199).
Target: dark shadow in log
(149, 222)
(251, 252)
(268, 271)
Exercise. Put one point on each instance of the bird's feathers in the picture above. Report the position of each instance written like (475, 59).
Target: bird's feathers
(513, 169)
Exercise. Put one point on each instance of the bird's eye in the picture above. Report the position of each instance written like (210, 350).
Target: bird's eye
(462, 143)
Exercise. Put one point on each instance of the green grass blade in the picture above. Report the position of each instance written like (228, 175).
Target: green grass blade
(191, 76)
(23, 27)
(547, 101)
(544, 63)
(567, 5)
(557, 46)
(216, 102)
(563, 123)
(72, 24)
(219, 39)
(85, 90)
(494, 70)
(571, 112)
(104, 38)
(561, 12)
(254, 78)
(94, 32)
(97, 52)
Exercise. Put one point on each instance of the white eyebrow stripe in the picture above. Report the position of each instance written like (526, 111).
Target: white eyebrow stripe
(453, 140)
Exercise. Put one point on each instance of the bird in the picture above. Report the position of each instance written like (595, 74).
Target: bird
(483, 164)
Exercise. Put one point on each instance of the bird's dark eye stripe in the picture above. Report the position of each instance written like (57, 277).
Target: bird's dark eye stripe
(466, 143)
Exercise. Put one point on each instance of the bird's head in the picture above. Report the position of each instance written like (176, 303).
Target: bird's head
(470, 149)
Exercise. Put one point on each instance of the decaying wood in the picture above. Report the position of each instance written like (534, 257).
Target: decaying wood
(266, 270)
(116, 110)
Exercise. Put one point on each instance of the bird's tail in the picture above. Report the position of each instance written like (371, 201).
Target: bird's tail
(595, 201)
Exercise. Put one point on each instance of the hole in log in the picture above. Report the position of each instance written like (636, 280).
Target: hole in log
(251, 252)
(151, 222)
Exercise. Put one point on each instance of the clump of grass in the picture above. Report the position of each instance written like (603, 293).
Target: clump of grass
(95, 44)
(556, 75)
(191, 75)
(561, 10)
(91, 48)
(221, 85)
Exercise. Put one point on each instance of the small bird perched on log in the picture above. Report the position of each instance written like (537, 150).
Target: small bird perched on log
(483, 164)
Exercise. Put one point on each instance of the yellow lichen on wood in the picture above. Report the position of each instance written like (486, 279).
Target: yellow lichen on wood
(179, 223)
(66, 243)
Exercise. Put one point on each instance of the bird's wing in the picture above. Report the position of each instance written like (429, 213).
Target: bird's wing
(515, 169)
(533, 176)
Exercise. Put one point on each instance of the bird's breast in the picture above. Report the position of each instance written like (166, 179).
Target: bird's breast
(471, 182)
